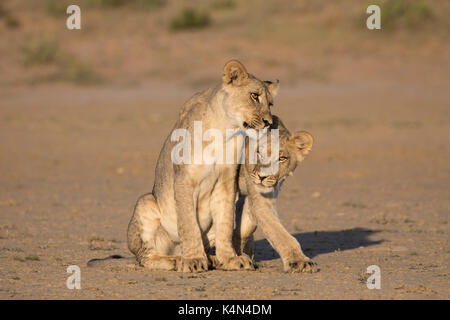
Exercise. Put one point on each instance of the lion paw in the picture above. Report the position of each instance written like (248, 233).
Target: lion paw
(303, 266)
(193, 264)
(242, 262)
(213, 261)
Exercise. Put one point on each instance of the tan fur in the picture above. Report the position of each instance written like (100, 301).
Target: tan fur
(257, 202)
(192, 206)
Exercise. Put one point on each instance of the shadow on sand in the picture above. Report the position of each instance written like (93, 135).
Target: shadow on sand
(320, 242)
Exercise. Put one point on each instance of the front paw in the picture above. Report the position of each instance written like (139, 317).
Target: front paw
(213, 261)
(303, 266)
(242, 262)
(193, 264)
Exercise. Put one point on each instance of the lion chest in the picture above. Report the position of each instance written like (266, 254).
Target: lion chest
(209, 197)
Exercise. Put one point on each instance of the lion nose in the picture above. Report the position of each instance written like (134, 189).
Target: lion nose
(267, 123)
(261, 177)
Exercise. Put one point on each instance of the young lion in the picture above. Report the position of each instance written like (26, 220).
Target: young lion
(192, 205)
(257, 201)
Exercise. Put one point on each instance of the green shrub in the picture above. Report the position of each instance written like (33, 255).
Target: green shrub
(73, 70)
(10, 20)
(224, 4)
(150, 3)
(3, 11)
(105, 3)
(39, 52)
(121, 3)
(190, 18)
(69, 68)
(408, 13)
(58, 7)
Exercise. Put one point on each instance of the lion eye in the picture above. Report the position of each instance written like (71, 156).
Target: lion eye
(255, 96)
(282, 159)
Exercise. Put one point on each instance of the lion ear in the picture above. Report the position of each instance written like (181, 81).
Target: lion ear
(234, 73)
(303, 141)
(273, 87)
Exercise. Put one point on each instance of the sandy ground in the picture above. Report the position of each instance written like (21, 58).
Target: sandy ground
(373, 191)
(76, 155)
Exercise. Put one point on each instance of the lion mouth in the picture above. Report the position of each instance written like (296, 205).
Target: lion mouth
(264, 190)
(267, 182)
(254, 123)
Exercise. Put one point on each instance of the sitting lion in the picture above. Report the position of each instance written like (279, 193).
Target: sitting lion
(192, 205)
(257, 201)
(256, 206)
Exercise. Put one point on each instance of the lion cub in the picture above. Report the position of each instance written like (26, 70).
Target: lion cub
(258, 194)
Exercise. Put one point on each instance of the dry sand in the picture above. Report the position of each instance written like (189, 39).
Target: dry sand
(374, 190)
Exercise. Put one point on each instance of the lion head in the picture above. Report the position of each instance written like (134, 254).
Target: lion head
(292, 150)
(247, 98)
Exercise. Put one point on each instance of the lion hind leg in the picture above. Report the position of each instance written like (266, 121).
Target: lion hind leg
(148, 240)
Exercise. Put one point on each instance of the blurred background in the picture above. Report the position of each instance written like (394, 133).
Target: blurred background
(187, 42)
(84, 114)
